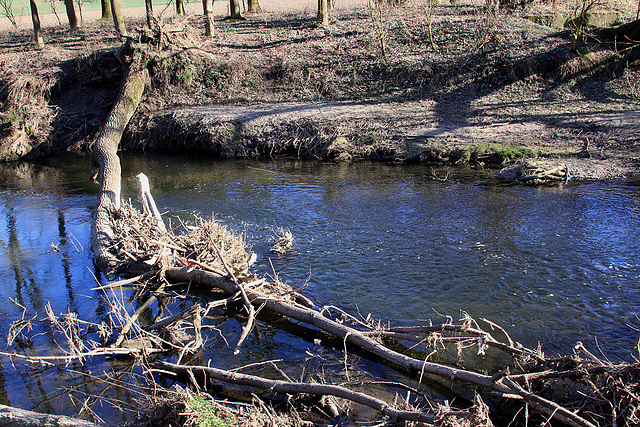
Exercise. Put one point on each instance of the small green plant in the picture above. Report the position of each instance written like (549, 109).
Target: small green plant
(185, 76)
(215, 79)
(206, 414)
(508, 152)
(251, 82)
(428, 9)
(7, 118)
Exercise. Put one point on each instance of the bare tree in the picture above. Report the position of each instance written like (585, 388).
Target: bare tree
(6, 8)
(234, 9)
(37, 31)
(118, 19)
(106, 9)
(323, 13)
(207, 8)
(180, 8)
(253, 6)
(54, 9)
(71, 15)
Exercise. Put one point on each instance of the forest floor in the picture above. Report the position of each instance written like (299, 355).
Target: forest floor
(394, 84)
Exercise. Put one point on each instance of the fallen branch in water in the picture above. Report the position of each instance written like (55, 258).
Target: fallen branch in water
(287, 387)
(505, 386)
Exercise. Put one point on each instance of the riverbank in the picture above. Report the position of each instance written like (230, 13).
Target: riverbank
(392, 88)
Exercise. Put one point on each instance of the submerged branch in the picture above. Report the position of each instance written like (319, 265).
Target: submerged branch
(289, 387)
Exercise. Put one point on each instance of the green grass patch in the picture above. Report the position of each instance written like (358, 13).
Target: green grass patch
(509, 152)
(206, 413)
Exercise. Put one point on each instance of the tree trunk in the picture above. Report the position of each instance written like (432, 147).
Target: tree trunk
(323, 14)
(207, 8)
(71, 15)
(118, 19)
(106, 9)
(253, 6)
(105, 160)
(180, 8)
(148, 5)
(288, 387)
(371, 346)
(15, 417)
(37, 31)
(234, 9)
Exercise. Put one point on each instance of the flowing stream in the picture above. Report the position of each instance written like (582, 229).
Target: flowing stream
(550, 264)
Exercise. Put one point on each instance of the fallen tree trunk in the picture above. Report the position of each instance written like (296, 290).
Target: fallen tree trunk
(14, 417)
(506, 387)
(106, 164)
(202, 373)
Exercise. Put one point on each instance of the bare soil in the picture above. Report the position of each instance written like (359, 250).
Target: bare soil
(477, 90)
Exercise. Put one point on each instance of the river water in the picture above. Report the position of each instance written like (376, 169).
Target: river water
(552, 265)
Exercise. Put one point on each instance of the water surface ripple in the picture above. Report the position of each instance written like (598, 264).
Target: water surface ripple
(553, 264)
(550, 264)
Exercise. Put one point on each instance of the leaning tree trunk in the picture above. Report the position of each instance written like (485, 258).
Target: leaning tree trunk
(37, 31)
(71, 15)
(118, 19)
(106, 163)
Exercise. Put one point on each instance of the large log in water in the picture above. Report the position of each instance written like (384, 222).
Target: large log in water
(502, 385)
(14, 417)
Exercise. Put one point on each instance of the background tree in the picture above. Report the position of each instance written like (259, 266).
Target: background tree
(253, 6)
(234, 9)
(37, 31)
(71, 15)
(180, 8)
(323, 13)
(148, 6)
(6, 8)
(118, 19)
(208, 17)
(105, 5)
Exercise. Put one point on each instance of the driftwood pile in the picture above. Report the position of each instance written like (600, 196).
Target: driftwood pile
(535, 173)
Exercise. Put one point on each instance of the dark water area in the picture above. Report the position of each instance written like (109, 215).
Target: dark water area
(550, 264)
